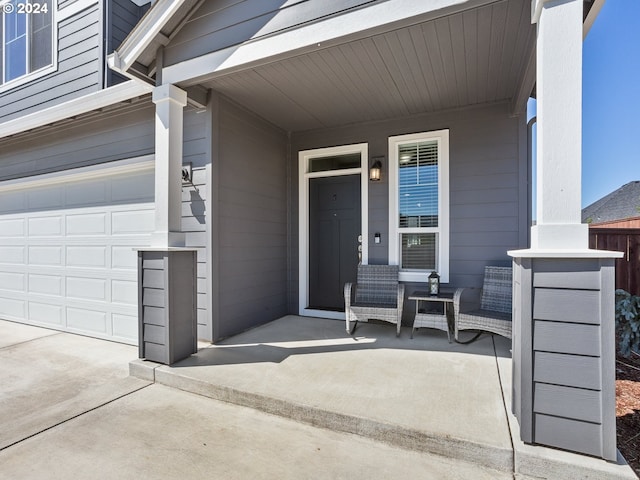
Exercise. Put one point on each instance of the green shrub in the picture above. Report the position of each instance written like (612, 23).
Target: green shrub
(628, 322)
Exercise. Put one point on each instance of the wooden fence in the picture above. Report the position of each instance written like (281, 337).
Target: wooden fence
(626, 240)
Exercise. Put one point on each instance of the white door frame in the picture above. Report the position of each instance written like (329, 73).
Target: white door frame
(304, 175)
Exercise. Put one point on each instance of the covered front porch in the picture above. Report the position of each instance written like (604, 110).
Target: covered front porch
(422, 394)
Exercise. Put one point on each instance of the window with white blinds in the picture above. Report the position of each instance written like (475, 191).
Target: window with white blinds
(28, 34)
(419, 204)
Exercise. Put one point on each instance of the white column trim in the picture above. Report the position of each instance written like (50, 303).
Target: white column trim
(559, 131)
(170, 101)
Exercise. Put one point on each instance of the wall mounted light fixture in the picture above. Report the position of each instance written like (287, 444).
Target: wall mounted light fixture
(376, 169)
(186, 173)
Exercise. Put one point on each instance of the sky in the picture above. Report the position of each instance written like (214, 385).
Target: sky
(611, 100)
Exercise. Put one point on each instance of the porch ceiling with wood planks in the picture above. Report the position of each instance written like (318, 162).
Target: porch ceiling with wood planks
(478, 56)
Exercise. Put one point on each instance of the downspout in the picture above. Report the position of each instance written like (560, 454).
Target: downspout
(106, 42)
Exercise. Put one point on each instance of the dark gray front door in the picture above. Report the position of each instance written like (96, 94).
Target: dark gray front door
(334, 228)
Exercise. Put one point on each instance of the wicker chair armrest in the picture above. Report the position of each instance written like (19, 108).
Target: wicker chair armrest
(471, 300)
(400, 297)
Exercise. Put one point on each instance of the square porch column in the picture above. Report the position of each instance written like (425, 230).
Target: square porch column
(563, 297)
(170, 102)
(167, 300)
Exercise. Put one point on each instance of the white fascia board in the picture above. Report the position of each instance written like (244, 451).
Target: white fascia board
(129, 165)
(147, 30)
(312, 36)
(563, 253)
(77, 106)
(591, 17)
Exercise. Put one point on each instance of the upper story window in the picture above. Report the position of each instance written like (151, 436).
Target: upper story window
(419, 204)
(27, 40)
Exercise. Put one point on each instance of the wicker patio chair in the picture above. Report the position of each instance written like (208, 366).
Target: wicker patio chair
(376, 295)
(493, 314)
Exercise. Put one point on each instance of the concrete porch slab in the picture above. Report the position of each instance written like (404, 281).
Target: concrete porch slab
(163, 433)
(423, 393)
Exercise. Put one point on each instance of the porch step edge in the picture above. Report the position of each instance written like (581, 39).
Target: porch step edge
(396, 435)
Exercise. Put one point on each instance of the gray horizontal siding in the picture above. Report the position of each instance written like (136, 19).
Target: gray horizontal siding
(219, 24)
(65, 3)
(251, 237)
(122, 17)
(564, 392)
(114, 135)
(194, 206)
(79, 69)
(486, 199)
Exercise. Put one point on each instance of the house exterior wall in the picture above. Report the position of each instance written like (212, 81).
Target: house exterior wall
(488, 199)
(250, 230)
(226, 23)
(65, 3)
(81, 50)
(121, 17)
(124, 132)
(115, 135)
(195, 206)
(80, 67)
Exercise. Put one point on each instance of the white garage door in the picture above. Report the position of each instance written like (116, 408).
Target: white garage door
(66, 250)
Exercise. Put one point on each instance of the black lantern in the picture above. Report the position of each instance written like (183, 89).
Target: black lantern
(375, 170)
(434, 284)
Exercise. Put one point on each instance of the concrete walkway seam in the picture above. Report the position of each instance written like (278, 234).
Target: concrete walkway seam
(13, 345)
(73, 417)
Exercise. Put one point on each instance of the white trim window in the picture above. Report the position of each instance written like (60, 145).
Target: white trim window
(28, 34)
(419, 205)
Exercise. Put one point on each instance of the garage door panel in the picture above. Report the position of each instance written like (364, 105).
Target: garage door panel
(67, 256)
(45, 255)
(45, 226)
(124, 326)
(11, 254)
(86, 256)
(12, 308)
(126, 223)
(86, 288)
(86, 224)
(123, 257)
(45, 284)
(124, 292)
(14, 281)
(46, 313)
(12, 227)
(87, 320)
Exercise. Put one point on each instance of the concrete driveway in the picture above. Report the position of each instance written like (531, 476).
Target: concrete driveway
(68, 409)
